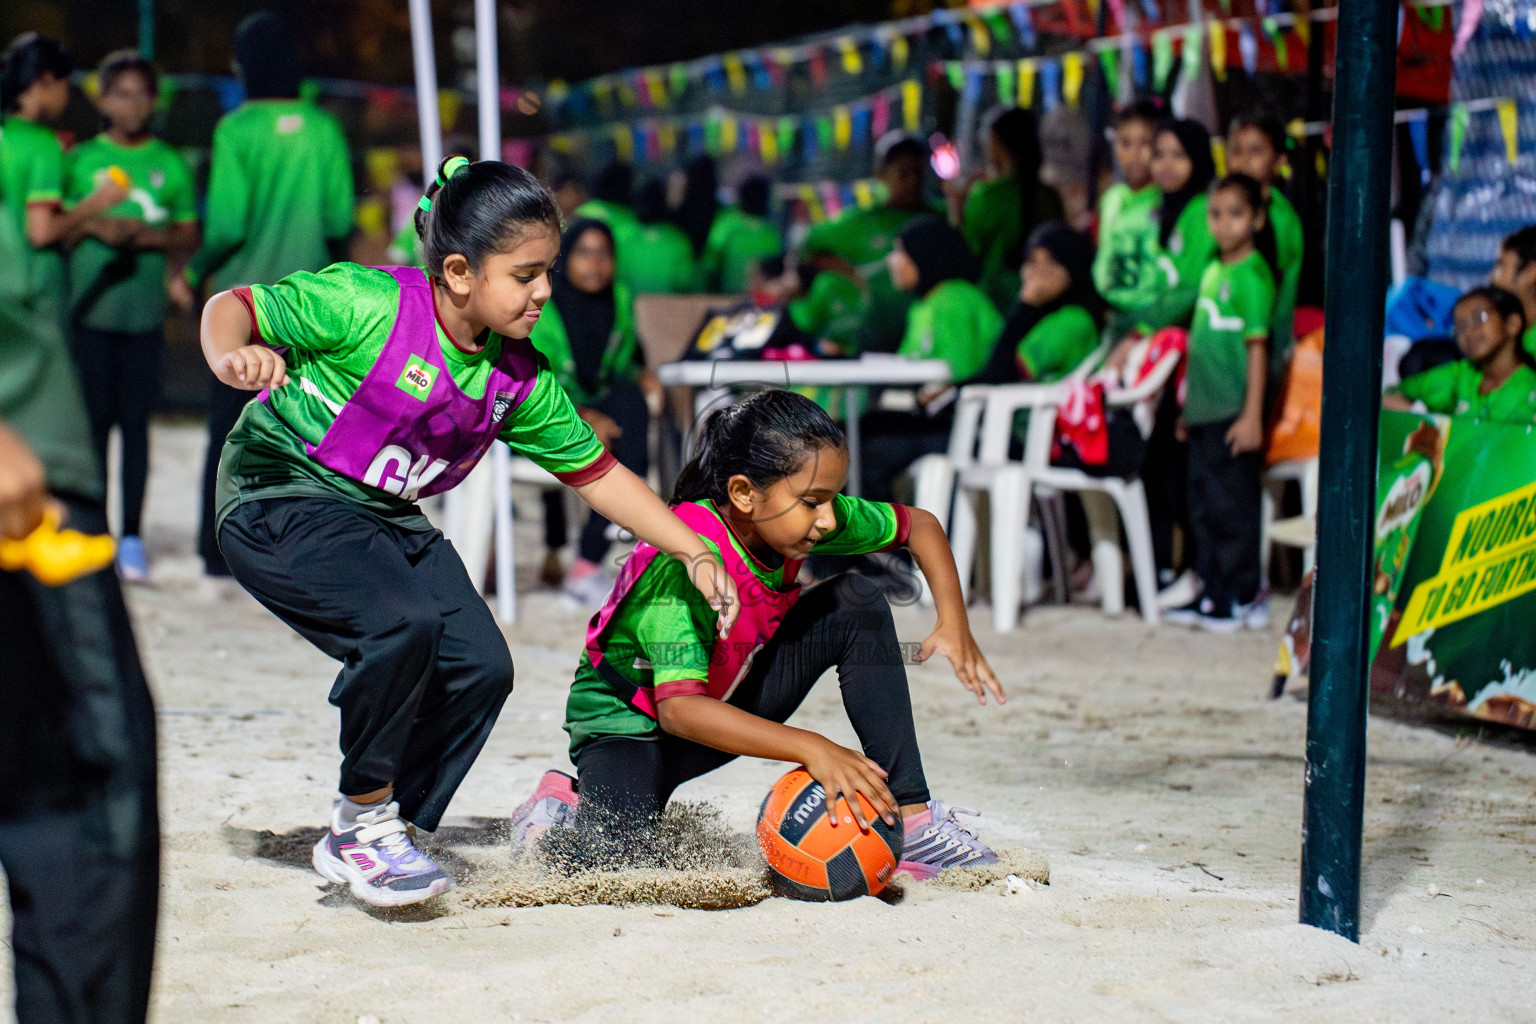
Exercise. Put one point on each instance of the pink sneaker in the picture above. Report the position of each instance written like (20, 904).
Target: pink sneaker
(552, 804)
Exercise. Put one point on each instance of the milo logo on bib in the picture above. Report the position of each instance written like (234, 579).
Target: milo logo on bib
(416, 379)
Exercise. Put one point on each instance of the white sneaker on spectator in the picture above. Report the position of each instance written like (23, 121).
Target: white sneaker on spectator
(1183, 591)
(1256, 615)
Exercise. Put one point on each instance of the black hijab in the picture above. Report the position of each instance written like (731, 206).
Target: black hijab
(940, 252)
(589, 317)
(1074, 251)
(696, 215)
(1197, 146)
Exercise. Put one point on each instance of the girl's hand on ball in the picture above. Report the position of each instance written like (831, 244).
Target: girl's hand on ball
(845, 773)
(958, 645)
(252, 368)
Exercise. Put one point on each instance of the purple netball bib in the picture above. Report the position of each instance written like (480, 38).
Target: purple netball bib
(408, 429)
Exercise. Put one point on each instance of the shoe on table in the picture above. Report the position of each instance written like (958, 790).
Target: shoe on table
(936, 841)
(132, 566)
(552, 804)
(376, 858)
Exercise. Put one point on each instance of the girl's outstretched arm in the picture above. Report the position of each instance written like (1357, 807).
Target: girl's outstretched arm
(623, 498)
(841, 771)
(226, 337)
(951, 634)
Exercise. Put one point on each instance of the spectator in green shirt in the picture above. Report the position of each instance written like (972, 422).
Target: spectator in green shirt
(692, 193)
(1256, 147)
(117, 276)
(856, 241)
(1495, 381)
(1125, 269)
(666, 264)
(1054, 325)
(952, 320)
(1001, 210)
(279, 201)
(1515, 272)
(1182, 169)
(742, 236)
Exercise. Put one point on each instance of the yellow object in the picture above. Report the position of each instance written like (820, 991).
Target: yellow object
(1072, 77)
(119, 176)
(1026, 83)
(57, 556)
(1509, 118)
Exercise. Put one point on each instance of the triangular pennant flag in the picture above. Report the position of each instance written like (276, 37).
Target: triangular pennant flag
(666, 136)
(602, 91)
(880, 117)
(863, 194)
(1005, 91)
(911, 105)
(973, 84)
(697, 138)
(761, 80)
(861, 125)
(812, 204)
(1509, 127)
(818, 66)
(1277, 38)
(997, 24)
(1219, 155)
(809, 139)
(1050, 85)
(879, 51)
(1117, 13)
(1432, 17)
(1418, 135)
(842, 127)
(1071, 77)
(628, 97)
(1025, 23)
(1151, 11)
(1248, 47)
(955, 71)
(1027, 83)
(1109, 61)
(657, 87)
(1226, 6)
(900, 52)
(1459, 116)
(1218, 36)
(1162, 59)
(623, 144)
(824, 133)
(829, 199)
(768, 145)
(1304, 31)
(728, 135)
(1139, 64)
(786, 135)
(735, 73)
(981, 39)
(678, 74)
(853, 63)
(956, 36)
(1191, 54)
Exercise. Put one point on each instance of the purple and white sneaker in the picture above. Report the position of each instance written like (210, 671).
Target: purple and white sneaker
(552, 804)
(377, 860)
(937, 841)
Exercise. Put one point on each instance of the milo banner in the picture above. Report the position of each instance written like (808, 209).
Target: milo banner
(1455, 573)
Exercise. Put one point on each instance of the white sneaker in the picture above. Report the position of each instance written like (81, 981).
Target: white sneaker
(376, 859)
(1185, 590)
(1256, 615)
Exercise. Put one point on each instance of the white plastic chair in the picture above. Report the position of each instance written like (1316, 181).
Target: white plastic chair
(1012, 486)
(1304, 472)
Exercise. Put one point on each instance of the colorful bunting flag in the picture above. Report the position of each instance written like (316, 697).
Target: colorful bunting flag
(786, 141)
(1509, 127)
(880, 118)
(1162, 58)
(955, 72)
(1072, 77)
(735, 73)
(900, 52)
(1219, 155)
(1050, 85)
(728, 135)
(623, 143)
(1218, 37)
(981, 39)
(1138, 64)
(1109, 62)
(1459, 116)
(863, 194)
(768, 147)
(1027, 82)
(853, 64)
(842, 127)
(1192, 38)
(1418, 135)
(911, 105)
(678, 75)
(1277, 39)
(1248, 46)
(818, 66)
(861, 125)
(973, 84)
(1025, 23)
(1005, 90)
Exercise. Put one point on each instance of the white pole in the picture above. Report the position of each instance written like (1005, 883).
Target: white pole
(425, 61)
(488, 81)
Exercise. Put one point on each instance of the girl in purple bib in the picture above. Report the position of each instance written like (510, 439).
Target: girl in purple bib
(379, 386)
(662, 696)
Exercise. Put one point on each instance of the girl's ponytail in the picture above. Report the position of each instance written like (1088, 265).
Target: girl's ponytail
(480, 209)
(765, 438)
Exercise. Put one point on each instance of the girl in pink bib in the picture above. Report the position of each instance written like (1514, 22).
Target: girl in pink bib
(661, 696)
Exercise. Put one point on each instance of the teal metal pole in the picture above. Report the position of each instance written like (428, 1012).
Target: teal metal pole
(1359, 183)
(147, 29)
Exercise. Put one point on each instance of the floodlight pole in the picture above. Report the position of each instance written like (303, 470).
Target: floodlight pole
(425, 60)
(1359, 182)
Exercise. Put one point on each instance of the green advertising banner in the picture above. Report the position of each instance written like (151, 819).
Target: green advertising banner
(1455, 569)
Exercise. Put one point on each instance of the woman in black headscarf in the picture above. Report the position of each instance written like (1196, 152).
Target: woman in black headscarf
(1183, 167)
(586, 330)
(1055, 324)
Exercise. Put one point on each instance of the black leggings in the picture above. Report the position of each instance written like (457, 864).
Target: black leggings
(626, 405)
(120, 379)
(425, 669)
(225, 404)
(846, 623)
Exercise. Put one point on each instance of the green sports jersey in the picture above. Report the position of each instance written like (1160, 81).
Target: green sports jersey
(1456, 389)
(1180, 264)
(39, 394)
(864, 238)
(1528, 341)
(1125, 267)
(831, 309)
(1058, 344)
(114, 289)
(737, 242)
(994, 223)
(663, 632)
(1290, 245)
(1232, 311)
(661, 261)
(619, 357)
(31, 171)
(333, 325)
(279, 192)
(955, 322)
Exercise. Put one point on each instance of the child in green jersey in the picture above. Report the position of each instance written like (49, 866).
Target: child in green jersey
(740, 237)
(662, 696)
(1256, 147)
(379, 386)
(666, 263)
(1125, 270)
(1494, 380)
(117, 276)
(1223, 418)
(1182, 168)
(1515, 272)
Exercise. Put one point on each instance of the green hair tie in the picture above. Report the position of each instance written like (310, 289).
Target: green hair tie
(450, 169)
